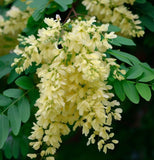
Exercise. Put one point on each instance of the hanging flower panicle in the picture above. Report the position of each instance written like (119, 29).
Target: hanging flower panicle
(73, 84)
(115, 12)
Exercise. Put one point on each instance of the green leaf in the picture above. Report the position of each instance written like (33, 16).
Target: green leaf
(115, 42)
(4, 129)
(14, 118)
(125, 41)
(113, 28)
(9, 58)
(134, 72)
(4, 69)
(13, 75)
(20, 4)
(124, 57)
(8, 148)
(5, 63)
(24, 109)
(146, 9)
(3, 11)
(4, 101)
(38, 13)
(148, 73)
(144, 91)
(120, 56)
(122, 41)
(140, 1)
(36, 4)
(63, 4)
(119, 90)
(32, 26)
(24, 82)
(131, 91)
(13, 93)
(40, 7)
(148, 22)
(146, 77)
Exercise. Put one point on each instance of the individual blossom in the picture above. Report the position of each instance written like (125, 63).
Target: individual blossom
(73, 70)
(115, 12)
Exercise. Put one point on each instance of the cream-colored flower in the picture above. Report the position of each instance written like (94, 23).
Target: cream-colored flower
(32, 156)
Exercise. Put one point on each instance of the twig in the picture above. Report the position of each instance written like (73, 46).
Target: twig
(72, 10)
(68, 15)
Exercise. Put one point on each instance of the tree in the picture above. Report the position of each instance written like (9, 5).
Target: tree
(66, 67)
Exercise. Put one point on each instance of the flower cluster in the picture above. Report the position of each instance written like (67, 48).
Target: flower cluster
(11, 26)
(115, 12)
(16, 21)
(73, 71)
